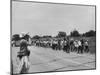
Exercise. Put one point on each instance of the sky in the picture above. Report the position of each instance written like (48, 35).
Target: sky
(49, 19)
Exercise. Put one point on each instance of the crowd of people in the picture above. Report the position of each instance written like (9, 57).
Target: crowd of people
(66, 44)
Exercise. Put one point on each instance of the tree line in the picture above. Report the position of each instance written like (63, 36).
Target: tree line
(74, 33)
(90, 33)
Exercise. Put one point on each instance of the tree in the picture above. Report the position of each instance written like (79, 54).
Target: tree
(36, 37)
(15, 37)
(74, 33)
(90, 33)
(47, 36)
(61, 34)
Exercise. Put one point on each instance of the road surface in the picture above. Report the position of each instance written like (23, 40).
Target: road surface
(46, 59)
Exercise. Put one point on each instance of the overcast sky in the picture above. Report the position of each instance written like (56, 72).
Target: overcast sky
(49, 19)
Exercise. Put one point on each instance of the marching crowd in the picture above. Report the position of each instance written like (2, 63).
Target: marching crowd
(67, 45)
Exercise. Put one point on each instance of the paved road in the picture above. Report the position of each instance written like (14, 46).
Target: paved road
(46, 59)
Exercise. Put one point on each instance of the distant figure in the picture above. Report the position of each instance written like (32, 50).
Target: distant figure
(71, 44)
(76, 45)
(66, 47)
(80, 48)
(86, 46)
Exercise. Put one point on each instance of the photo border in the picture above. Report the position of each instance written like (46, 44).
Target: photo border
(11, 69)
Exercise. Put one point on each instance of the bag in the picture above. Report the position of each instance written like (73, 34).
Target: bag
(28, 52)
(24, 53)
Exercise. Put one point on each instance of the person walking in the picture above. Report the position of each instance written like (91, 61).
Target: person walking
(23, 56)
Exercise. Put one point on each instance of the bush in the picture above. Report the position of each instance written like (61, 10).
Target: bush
(61, 34)
(74, 33)
(90, 33)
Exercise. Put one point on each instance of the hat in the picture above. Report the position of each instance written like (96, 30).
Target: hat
(22, 34)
